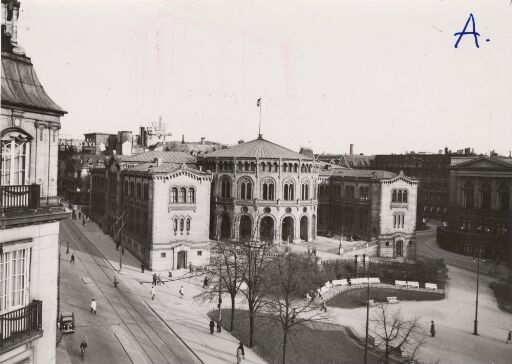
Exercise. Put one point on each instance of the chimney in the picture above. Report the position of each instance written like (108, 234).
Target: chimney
(351, 149)
(202, 141)
(159, 161)
(183, 139)
(241, 141)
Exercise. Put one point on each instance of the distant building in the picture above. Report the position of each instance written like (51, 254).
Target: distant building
(194, 148)
(353, 161)
(480, 207)
(154, 133)
(262, 191)
(29, 208)
(101, 143)
(369, 205)
(156, 204)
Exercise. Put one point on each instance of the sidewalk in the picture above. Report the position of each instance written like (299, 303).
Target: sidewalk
(184, 316)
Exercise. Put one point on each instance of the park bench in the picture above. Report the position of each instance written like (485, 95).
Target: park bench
(430, 286)
(340, 282)
(392, 300)
(401, 283)
(413, 284)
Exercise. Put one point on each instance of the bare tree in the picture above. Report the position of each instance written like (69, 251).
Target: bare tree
(395, 334)
(226, 270)
(257, 260)
(293, 275)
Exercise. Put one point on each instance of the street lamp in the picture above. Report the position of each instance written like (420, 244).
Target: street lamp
(475, 328)
(367, 308)
(355, 263)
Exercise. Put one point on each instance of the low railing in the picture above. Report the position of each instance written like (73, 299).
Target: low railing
(19, 197)
(20, 324)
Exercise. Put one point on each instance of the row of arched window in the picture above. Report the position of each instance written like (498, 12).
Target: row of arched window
(268, 189)
(226, 166)
(137, 190)
(398, 221)
(181, 224)
(485, 194)
(182, 195)
(483, 226)
(399, 196)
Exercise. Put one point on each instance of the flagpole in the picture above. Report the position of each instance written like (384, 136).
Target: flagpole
(259, 127)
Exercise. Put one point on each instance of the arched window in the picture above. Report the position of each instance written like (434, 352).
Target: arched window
(175, 225)
(15, 164)
(253, 167)
(188, 226)
(139, 190)
(174, 195)
(245, 189)
(246, 166)
(182, 223)
(146, 191)
(363, 193)
(305, 190)
(295, 167)
(267, 188)
(285, 167)
(504, 197)
(288, 188)
(240, 166)
(404, 196)
(132, 189)
(182, 198)
(468, 195)
(349, 192)
(225, 188)
(393, 196)
(276, 167)
(302, 168)
(191, 195)
(485, 196)
(125, 187)
(263, 166)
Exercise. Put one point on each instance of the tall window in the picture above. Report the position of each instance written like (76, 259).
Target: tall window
(175, 225)
(14, 160)
(139, 190)
(125, 185)
(349, 192)
(132, 189)
(504, 196)
(398, 221)
(14, 279)
(146, 191)
(246, 189)
(467, 193)
(305, 190)
(288, 193)
(191, 195)
(267, 188)
(225, 188)
(182, 197)
(174, 195)
(363, 193)
(188, 226)
(485, 196)
(182, 225)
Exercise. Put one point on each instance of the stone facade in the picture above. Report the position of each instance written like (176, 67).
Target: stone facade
(480, 214)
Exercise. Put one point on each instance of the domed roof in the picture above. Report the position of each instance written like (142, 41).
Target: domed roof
(257, 148)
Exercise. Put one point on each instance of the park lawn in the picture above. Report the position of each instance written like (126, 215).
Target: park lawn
(357, 297)
(314, 343)
(503, 293)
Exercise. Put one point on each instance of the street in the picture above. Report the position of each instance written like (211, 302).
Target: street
(124, 329)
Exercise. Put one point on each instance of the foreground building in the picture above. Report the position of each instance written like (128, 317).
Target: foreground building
(157, 205)
(29, 210)
(369, 205)
(262, 191)
(480, 211)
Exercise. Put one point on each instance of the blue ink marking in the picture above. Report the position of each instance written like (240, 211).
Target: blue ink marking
(464, 32)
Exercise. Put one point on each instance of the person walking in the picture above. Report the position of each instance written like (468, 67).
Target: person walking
(154, 279)
(219, 326)
(72, 260)
(205, 282)
(509, 337)
(432, 329)
(238, 356)
(241, 348)
(170, 275)
(67, 247)
(323, 307)
(152, 292)
(212, 326)
(182, 292)
(83, 346)
(93, 306)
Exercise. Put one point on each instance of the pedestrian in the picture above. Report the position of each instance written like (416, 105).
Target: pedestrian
(509, 337)
(212, 325)
(190, 267)
(241, 348)
(182, 292)
(170, 275)
(79, 215)
(142, 268)
(432, 329)
(323, 307)
(93, 306)
(72, 260)
(67, 247)
(152, 292)
(308, 297)
(205, 282)
(238, 356)
(83, 346)
(154, 279)
(159, 279)
(309, 249)
(83, 221)
(314, 250)
(219, 326)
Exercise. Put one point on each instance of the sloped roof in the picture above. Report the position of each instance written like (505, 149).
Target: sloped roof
(358, 173)
(257, 148)
(166, 167)
(167, 157)
(21, 87)
(461, 162)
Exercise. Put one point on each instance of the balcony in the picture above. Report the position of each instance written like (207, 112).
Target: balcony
(20, 326)
(19, 197)
(22, 204)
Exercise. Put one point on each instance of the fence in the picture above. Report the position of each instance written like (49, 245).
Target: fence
(20, 323)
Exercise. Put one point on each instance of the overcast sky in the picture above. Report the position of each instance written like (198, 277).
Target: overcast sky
(383, 75)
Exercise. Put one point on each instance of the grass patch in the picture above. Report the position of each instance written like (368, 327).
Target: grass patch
(357, 297)
(503, 293)
(314, 343)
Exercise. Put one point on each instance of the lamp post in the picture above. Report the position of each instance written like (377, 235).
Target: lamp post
(355, 263)
(475, 328)
(367, 309)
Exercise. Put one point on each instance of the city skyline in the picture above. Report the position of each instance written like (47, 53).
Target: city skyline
(334, 81)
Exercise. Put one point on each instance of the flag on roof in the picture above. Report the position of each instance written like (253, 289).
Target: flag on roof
(258, 103)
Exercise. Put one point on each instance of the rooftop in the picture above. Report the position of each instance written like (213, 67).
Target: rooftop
(257, 148)
(167, 157)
